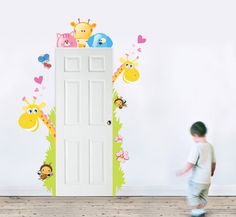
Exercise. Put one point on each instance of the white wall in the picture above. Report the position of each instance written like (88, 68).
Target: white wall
(188, 73)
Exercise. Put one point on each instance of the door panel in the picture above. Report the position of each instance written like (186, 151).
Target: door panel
(84, 105)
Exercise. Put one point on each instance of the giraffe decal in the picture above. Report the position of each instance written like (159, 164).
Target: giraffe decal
(128, 68)
(29, 120)
(82, 32)
(130, 75)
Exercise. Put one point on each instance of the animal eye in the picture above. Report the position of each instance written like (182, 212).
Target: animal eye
(131, 66)
(127, 65)
(29, 111)
(35, 110)
(103, 40)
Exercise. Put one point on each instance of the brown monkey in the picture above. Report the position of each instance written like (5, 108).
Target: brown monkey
(45, 171)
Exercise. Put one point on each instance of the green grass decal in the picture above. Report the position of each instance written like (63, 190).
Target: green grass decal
(50, 183)
(118, 174)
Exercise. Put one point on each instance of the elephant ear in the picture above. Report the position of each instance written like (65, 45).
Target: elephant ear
(90, 41)
(109, 41)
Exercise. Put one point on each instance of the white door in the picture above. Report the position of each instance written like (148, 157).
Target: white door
(83, 109)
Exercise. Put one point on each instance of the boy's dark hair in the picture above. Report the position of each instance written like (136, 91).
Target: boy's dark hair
(198, 128)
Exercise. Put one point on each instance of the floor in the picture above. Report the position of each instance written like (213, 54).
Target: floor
(110, 207)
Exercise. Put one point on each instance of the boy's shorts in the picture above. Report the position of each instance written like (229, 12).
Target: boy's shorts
(197, 193)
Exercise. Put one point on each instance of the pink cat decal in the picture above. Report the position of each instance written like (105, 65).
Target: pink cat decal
(66, 40)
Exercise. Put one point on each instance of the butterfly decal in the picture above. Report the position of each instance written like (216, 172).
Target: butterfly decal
(44, 59)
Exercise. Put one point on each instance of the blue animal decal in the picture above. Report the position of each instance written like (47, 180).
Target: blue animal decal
(100, 40)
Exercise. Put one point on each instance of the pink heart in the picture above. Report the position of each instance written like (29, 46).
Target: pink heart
(38, 80)
(36, 90)
(141, 40)
(139, 50)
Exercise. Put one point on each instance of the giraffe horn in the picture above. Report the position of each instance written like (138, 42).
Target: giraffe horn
(79, 20)
(136, 58)
(25, 100)
(34, 99)
(88, 20)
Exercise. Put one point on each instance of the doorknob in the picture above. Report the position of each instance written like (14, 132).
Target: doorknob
(109, 122)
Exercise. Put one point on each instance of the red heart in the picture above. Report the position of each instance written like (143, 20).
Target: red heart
(38, 80)
(47, 65)
(141, 40)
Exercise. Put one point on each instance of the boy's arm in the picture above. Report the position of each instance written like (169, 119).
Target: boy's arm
(186, 169)
(213, 164)
(213, 167)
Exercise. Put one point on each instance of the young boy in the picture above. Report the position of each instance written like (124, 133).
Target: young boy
(202, 162)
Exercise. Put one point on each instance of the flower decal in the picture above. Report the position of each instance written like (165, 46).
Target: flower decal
(122, 156)
(119, 139)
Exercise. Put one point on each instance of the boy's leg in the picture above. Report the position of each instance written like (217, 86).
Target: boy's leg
(193, 194)
(194, 198)
(204, 194)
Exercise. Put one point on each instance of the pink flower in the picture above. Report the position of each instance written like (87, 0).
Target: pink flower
(122, 156)
(119, 139)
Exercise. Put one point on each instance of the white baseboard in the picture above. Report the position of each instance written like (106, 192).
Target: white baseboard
(23, 191)
(215, 190)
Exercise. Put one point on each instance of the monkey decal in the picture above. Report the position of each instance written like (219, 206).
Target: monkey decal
(45, 171)
(120, 102)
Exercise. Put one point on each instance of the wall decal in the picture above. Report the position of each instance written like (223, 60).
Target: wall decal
(30, 121)
(120, 102)
(130, 74)
(44, 58)
(38, 80)
(122, 156)
(128, 67)
(141, 39)
(45, 171)
(50, 158)
(66, 40)
(47, 65)
(118, 139)
(117, 173)
(82, 32)
(100, 40)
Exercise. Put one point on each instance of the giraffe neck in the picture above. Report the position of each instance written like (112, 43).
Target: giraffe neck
(48, 124)
(117, 73)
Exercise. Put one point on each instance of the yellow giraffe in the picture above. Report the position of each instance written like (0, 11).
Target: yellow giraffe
(29, 120)
(131, 74)
(83, 31)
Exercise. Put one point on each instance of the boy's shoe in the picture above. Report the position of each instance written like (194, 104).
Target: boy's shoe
(198, 212)
(201, 215)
